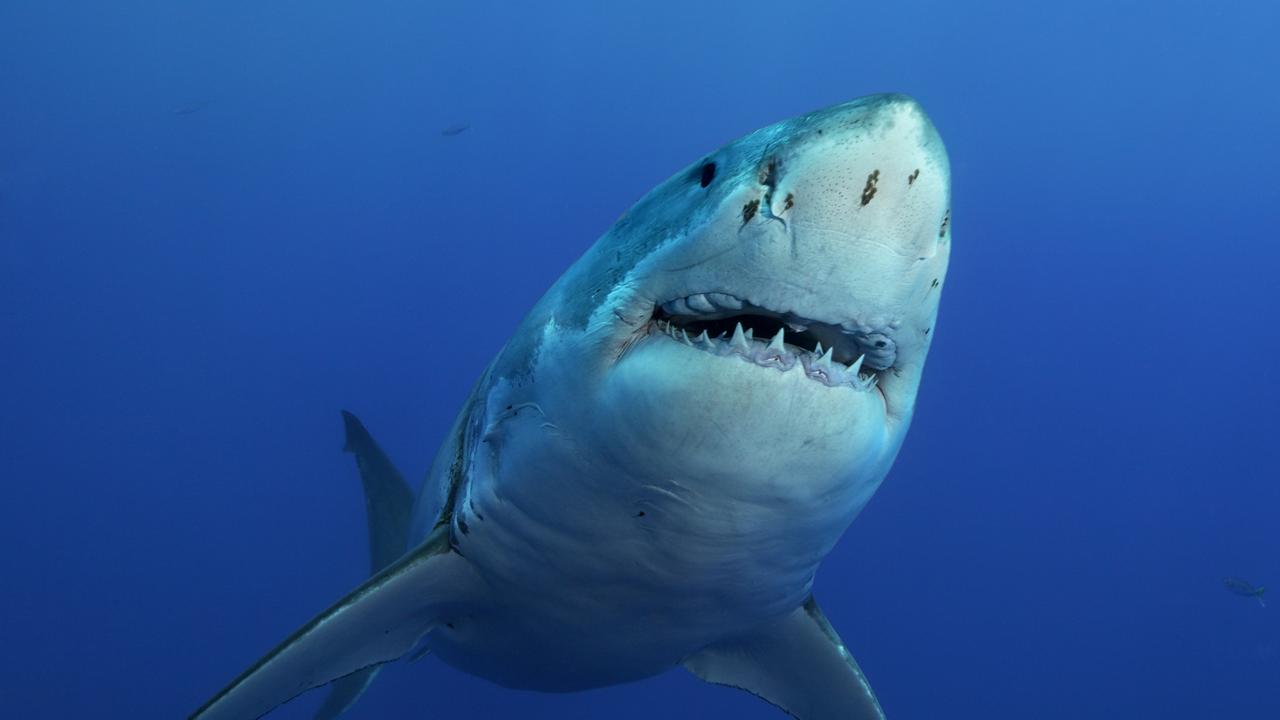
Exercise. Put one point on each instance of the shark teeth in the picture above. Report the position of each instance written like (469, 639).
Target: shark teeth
(724, 301)
(857, 364)
(819, 365)
(702, 303)
(699, 303)
(776, 343)
(871, 335)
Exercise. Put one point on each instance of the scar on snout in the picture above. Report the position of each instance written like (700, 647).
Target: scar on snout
(749, 211)
(911, 179)
(869, 191)
(769, 173)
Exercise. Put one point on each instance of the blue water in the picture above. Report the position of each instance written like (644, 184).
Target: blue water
(222, 222)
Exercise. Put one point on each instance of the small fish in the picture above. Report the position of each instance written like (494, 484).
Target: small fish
(453, 130)
(1246, 589)
(191, 108)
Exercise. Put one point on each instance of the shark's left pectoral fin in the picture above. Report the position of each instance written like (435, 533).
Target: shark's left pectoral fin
(377, 622)
(798, 664)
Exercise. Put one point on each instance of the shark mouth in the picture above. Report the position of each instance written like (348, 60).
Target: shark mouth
(726, 326)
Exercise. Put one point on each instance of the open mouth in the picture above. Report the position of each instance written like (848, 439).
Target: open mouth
(727, 326)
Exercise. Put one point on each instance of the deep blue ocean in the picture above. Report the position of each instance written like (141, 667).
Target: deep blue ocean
(222, 222)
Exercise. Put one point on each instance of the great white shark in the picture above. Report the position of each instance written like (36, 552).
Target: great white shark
(651, 471)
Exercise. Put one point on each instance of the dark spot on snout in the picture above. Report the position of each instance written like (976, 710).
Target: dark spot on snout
(640, 514)
(881, 343)
(449, 625)
(790, 202)
(708, 174)
(911, 179)
(869, 190)
(946, 222)
(462, 525)
(749, 211)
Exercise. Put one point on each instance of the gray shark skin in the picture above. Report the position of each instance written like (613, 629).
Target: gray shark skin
(651, 471)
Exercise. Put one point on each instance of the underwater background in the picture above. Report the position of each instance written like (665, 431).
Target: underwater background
(221, 222)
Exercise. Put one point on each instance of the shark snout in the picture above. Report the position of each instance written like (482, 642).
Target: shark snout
(873, 171)
(861, 198)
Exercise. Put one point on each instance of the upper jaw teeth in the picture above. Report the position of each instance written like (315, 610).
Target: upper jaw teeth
(819, 365)
(851, 338)
(700, 303)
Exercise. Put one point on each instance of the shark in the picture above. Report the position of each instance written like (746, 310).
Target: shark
(651, 471)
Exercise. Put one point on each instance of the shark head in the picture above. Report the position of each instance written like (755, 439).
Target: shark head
(776, 299)
(824, 237)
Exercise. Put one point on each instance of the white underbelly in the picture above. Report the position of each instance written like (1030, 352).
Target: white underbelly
(601, 574)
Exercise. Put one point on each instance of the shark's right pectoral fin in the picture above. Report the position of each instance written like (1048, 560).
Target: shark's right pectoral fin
(377, 622)
(797, 663)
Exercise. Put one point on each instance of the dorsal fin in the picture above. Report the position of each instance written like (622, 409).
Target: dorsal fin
(388, 501)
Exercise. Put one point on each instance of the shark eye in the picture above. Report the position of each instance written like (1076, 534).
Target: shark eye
(708, 174)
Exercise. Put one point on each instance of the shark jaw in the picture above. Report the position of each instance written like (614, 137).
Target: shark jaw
(816, 363)
(726, 326)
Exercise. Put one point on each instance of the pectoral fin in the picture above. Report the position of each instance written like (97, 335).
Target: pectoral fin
(798, 664)
(344, 692)
(377, 622)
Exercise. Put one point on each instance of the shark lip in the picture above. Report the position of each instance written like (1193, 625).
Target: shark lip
(723, 325)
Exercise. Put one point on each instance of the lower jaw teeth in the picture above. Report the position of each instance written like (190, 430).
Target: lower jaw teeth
(818, 365)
